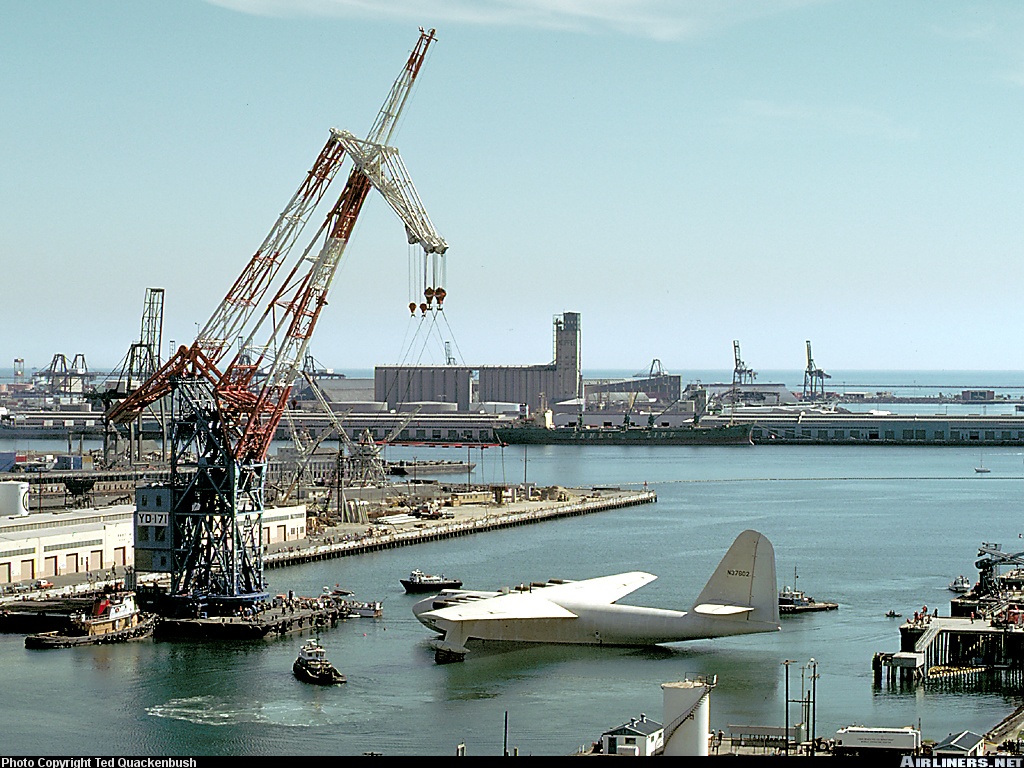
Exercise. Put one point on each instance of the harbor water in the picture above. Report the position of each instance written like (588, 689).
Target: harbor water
(871, 528)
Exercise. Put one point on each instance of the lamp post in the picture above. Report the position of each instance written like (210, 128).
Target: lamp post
(814, 704)
(786, 664)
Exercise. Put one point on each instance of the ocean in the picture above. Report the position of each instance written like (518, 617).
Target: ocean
(872, 528)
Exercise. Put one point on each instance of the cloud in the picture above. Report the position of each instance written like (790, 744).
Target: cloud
(654, 19)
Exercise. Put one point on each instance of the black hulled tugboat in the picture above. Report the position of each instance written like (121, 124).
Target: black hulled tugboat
(312, 666)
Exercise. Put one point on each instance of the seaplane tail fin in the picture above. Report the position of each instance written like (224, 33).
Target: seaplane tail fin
(743, 587)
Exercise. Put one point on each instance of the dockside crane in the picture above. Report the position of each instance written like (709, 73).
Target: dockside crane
(224, 416)
(814, 379)
(991, 558)
(741, 374)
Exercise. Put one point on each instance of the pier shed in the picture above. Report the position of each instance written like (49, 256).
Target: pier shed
(639, 737)
(78, 541)
(963, 744)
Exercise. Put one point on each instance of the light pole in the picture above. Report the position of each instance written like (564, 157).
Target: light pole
(786, 664)
(814, 703)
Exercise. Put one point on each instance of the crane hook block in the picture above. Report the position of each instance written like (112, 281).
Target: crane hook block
(412, 307)
(423, 308)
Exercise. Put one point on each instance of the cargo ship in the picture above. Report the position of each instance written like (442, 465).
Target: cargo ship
(525, 433)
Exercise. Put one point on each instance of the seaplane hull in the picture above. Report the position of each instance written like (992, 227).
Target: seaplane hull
(740, 598)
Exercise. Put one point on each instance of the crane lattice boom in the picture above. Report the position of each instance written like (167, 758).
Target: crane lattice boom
(223, 419)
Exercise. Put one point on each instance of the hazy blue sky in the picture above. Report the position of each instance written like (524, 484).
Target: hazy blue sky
(681, 173)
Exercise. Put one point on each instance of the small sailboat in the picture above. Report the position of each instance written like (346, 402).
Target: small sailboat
(981, 469)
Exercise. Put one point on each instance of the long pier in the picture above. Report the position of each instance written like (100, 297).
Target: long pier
(495, 518)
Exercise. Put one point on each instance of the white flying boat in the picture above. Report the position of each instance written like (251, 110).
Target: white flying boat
(740, 598)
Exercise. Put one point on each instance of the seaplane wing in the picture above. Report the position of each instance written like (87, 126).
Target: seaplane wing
(601, 590)
(515, 605)
(543, 601)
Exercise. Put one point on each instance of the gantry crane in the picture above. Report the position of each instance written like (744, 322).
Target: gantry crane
(814, 379)
(366, 465)
(63, 379)
(224, 419)
(741, 374)
(136, 368)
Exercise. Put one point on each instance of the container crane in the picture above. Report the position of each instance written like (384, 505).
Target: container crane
(814, 378)
(741, 374)
(224, 417)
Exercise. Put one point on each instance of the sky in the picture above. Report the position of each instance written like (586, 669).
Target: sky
(682, 173)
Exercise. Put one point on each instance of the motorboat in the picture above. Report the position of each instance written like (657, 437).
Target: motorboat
(372, 609)
(419, 582)
(960, 584)
(312, 665)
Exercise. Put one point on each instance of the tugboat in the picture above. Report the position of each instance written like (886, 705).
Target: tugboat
(114, 618)
(793, 600)
(312, 666)
(419, 582)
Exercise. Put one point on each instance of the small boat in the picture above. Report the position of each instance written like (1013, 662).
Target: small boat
(793, 600)
(312, 666)
(372, 609)
(114, 618)
(891, 614)
(960, 584)
(981, 469)
(419, 581)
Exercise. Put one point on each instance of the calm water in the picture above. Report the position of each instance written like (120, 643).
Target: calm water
(871, 528)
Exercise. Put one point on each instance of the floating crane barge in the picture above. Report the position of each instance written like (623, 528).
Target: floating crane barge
(226, 405)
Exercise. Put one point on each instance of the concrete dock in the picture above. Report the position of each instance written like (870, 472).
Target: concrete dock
(405, 530)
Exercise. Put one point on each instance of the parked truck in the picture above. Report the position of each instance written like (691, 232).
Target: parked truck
(859, 740)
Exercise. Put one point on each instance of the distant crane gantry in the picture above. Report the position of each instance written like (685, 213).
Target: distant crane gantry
(224, 416)
(741, 374)
(814, 379)
(61, 378)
